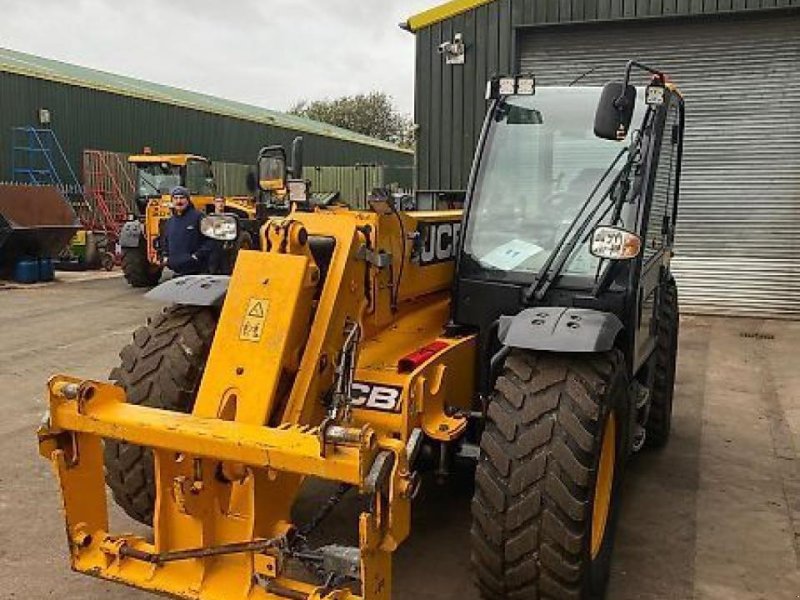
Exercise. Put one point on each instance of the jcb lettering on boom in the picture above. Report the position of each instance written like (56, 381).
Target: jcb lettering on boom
(439, 241)
(385, 398)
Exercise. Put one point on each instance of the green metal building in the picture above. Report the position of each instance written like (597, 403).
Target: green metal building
(89, 109)
(738, 65)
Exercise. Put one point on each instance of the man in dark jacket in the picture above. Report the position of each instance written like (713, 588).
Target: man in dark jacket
(186, 251)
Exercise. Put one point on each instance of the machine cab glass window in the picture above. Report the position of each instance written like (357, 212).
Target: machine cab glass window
(540, 163)
(157, 179)
(200, 178)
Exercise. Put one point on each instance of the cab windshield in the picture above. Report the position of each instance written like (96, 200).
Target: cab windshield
(540, 162)
(157, 179)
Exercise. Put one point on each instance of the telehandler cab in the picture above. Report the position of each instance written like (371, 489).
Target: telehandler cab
(156, 176)
(535, 333)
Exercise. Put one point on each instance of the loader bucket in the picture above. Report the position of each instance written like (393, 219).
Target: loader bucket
(34, 221)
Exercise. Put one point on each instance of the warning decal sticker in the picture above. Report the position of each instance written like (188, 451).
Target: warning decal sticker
(253, 323)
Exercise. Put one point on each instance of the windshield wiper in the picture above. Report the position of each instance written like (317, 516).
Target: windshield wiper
(152, 186)
(562, 253)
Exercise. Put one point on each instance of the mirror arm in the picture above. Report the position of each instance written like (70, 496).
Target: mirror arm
(620, 102)
(624, 182)
(606, 276)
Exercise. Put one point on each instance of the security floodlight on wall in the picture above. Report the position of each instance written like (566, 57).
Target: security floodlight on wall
(454, 52)
(44, 116)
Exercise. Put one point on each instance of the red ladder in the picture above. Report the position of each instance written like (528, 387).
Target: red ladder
(109, 185)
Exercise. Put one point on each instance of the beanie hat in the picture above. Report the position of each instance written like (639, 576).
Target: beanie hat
(179, 190)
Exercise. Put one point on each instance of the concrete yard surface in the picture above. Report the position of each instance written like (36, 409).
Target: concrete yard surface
(714, 516)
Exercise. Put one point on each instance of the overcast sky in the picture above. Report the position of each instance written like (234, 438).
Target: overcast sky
(269, 53)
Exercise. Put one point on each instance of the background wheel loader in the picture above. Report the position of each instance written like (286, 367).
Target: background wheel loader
(535, 333)
(157, 175)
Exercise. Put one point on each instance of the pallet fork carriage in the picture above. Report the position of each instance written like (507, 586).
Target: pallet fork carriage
(536, 333)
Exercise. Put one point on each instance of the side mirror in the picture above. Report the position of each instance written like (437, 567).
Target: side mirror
(615, 111)
(297, 158)
(614, 243)
(272, 170)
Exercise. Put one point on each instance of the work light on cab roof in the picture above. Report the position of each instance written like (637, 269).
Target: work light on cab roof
(519, 85)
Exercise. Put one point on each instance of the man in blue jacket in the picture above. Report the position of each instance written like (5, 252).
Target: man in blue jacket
(186, 251)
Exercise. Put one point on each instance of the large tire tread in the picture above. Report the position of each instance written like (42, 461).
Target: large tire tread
(138, 271)
(161, 368)
(534, 481)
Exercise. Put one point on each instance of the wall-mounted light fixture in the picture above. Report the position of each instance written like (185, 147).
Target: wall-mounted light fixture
(454, 52)
(44, 116)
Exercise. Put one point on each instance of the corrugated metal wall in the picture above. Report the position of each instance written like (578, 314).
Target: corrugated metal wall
(738, 238)
(450, 101)
(231, 178)
(86, 118)
(353, 183)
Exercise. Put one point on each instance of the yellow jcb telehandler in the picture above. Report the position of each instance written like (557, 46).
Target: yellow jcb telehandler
(535, 333)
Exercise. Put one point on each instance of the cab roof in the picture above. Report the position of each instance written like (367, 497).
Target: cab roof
(179, 160)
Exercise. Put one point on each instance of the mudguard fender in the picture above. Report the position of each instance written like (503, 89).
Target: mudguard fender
(192, 290)
(560, 329)
(130, 235)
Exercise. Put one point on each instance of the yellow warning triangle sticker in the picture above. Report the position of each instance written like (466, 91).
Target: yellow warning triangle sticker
(256, 311)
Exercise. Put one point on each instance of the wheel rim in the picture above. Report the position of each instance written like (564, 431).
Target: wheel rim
(605, 484)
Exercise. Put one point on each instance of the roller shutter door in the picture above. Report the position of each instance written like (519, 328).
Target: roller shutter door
(738, 242)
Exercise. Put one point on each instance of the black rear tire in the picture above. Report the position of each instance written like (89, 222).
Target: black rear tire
(536, 479)
(659, 421)
(161, 368)
(139, 272)
(107, 261)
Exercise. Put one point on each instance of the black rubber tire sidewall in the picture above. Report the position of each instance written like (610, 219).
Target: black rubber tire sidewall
(600, 568)
(532, 509)
(107, 261)
(139, 272)
(659, 423)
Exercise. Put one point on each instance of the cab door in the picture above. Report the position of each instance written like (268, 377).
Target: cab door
(658, 229)
(199, 178)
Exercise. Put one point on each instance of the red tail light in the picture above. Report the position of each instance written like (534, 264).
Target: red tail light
(419, 357)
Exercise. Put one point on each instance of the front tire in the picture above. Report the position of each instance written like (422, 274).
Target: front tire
(547, 482)
(138, 270)
(161, 368)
